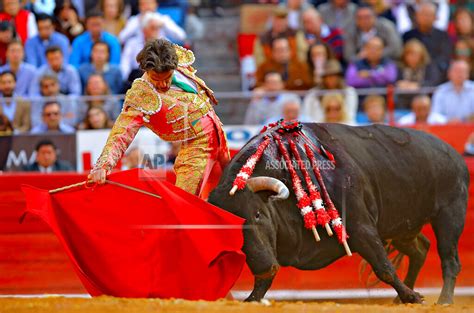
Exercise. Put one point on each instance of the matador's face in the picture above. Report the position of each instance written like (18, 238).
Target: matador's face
(161, 80)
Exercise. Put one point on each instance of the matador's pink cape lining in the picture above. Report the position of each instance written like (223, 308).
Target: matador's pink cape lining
(127, 244)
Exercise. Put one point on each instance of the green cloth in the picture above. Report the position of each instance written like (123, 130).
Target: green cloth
(182, 85)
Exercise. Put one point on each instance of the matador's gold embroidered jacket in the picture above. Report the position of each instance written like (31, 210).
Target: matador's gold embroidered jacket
(174, 115)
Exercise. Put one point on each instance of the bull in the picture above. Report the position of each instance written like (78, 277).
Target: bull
(387, 184)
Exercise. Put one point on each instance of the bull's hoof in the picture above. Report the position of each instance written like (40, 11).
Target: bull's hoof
(445, 301)
(251, 299)
(413, 297)
(397, 300)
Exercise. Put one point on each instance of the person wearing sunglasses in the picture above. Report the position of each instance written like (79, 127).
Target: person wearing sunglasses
(52, 120)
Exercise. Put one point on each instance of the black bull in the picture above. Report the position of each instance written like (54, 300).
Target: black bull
(387, 184)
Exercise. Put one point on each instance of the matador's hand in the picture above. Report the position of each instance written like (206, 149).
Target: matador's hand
(97, 176)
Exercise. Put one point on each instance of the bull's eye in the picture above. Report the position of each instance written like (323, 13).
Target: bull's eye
(257, 215)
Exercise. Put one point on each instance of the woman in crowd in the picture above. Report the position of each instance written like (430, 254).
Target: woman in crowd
(96, 118)
(462, 25)
(113, 15)
(332, 79)
(318, 55)
(97, 87)
(415, 71)
(67, 20)
(335, 110)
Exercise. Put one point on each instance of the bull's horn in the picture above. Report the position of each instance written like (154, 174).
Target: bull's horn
(268, 183)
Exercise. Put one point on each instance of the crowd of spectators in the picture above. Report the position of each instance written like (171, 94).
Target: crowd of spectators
(53, 53)
(61, 61)
(341, 50)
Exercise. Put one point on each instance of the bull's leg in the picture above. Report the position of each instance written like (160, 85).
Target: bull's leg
(416, 249)
(447, 227)
(368, 244)
(262, 283)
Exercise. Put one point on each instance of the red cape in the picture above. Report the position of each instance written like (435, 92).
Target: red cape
(127, 244)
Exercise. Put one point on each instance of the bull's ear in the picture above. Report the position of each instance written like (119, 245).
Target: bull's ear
(268, 188)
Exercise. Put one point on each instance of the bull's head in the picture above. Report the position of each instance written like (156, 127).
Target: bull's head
(255, 204)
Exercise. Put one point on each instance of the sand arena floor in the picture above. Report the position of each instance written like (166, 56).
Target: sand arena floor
(118, 305)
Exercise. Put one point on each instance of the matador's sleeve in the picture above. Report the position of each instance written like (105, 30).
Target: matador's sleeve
(139, 100)
(124, 130)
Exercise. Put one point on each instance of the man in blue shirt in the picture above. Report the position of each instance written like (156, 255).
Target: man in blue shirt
(99, 64)
(36, 47)
(455, 98)
(68, 76)
(82, 45)
(52, 120)
(25, 73)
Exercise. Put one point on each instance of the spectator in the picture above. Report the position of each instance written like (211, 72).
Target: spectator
(373, 70)
(23, 20)
(334, 109)
(415, 71)
(296, 9)
(82, 45)
(52, 120)
(114, 21)
(35, 47)
(262, 49)
(455, 98)
(290, 110)
(338, 13)
(332, 79)
(6, 128)
(406, 14)
(421, 113)
(98, 89)
(7, 35)
(295, 74)
(462, 26)
(436, 41)
(50, 89)
(374, 109)
(170, 29)
(68, 22)
(464, 50)
(317, 31)
(151, 24)
(96, 118)
(100, 65)
(24, 73)
(265, 100)
(367, 25)
(47, 159)
(15, 109)
(318, 56)
(382, 9)
(69, 80)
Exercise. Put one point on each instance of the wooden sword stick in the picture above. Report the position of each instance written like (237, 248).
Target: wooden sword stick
(109, 182)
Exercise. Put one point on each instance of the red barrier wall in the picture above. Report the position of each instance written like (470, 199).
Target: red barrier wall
(32, 261)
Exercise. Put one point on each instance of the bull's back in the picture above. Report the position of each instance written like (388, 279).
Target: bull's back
(408, 174)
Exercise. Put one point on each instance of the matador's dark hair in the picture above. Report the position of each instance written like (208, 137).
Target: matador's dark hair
(158, 55)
